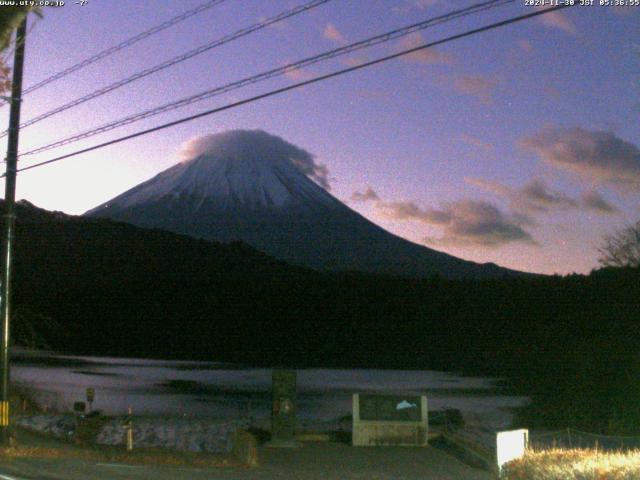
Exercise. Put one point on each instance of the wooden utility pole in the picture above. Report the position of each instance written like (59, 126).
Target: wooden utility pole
(9, 226)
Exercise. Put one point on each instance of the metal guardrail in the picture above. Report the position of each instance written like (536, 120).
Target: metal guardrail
(482, 455)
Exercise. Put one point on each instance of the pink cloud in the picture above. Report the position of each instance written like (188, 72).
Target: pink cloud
(477, 85)
(557, 20)
(426, 55)
(332, 33)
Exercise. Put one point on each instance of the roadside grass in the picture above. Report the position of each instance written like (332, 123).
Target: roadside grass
(154, 456)
(560, 464)
(29, 444)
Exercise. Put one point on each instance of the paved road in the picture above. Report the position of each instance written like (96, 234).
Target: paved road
(315, 461)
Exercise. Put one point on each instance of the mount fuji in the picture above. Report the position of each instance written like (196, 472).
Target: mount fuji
(257, 188)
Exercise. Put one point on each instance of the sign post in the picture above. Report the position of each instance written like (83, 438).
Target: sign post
(128, 425)
(91, 395)
(283, 412)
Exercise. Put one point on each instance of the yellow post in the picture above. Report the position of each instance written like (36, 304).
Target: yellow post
(4, 414)
(130, 432)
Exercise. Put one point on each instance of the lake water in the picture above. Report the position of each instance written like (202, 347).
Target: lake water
(227, 392)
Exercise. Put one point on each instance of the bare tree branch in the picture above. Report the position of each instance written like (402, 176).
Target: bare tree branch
(621, 249)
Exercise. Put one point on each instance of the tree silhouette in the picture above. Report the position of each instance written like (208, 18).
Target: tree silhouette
(10, 18)
(622, 248)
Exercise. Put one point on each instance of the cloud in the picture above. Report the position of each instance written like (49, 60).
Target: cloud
(476, 85)
(476, 223)
(490, 186)
(332, 33)
(594, 201)
(597, 155)
(557, 20)
(256, 145)
(464, 223)
(411, 211)
(297, 74)
(368, 196)
(426, 55)
(536, 197)
(354, 61)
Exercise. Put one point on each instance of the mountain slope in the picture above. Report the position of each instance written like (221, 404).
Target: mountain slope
(257, 188)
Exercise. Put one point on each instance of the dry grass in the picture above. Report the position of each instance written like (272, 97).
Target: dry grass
(574, 465)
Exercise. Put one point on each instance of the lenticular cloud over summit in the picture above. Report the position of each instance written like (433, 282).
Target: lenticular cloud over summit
(244, 145)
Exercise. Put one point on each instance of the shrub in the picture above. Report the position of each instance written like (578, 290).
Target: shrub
(574, 465)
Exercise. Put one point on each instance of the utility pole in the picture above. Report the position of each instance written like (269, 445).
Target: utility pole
(10, 220)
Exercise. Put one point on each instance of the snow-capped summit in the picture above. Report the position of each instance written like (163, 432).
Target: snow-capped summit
(252, 186)
(236, 169)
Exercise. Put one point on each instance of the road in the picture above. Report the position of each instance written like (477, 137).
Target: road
(321, 461)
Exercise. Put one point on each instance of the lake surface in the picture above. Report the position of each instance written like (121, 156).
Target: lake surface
(223, 391)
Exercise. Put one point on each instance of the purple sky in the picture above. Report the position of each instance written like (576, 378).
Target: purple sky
(518, 146)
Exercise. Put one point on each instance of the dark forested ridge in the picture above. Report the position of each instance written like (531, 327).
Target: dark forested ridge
(115, 289)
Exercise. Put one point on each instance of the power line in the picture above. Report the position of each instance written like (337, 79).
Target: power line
(180, 58)
(320, 78)
(122, 45)
(369, 42)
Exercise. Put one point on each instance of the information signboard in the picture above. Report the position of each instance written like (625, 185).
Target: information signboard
(392, 408)
(399, 420)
